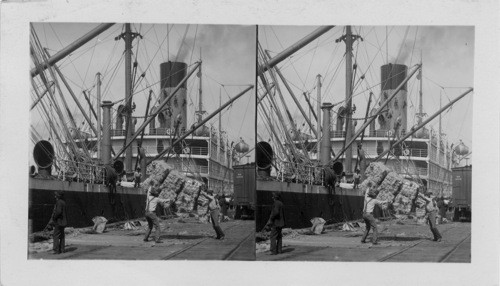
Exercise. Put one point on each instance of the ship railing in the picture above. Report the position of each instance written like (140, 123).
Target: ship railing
(299, 173)
(117, 132)
(186, 168)
(202, 151)
(371, 152)
(410, 171)
(337, 134)
(81, 172)
(418, 152)
(166, 131)
(384, 133)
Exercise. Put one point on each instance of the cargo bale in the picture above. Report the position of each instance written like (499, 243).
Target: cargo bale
(174, 181)
(392, 183)
(192, 187)
(420, 213)
(385, 195)
(409, 189)
(158, 170)
(184, 203)
(202, 200)
(168, 195)
(402, 204)
(376, 172)
(202, 210)
(420, 203)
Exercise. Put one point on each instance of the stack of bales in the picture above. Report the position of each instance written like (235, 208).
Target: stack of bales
(157, 171)
(186, 200)
(183, 193)
(390, 186)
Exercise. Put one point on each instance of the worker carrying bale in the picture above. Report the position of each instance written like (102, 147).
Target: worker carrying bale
(431, 211)
(214, 208)
(369, 206)
(151, 217)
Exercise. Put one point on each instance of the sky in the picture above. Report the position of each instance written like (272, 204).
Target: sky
(227, 52)
(448, 69)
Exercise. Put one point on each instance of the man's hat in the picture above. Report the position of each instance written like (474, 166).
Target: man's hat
(276, 195)
(59, 194)
(372, 193)
(155, 191)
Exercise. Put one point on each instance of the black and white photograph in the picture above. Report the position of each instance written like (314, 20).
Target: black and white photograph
(141, 138)
(284, 142)
(365, 137)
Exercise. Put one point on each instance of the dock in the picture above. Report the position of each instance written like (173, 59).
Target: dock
(183, 239)
(398, 242)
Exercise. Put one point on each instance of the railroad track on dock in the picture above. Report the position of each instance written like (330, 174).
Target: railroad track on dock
(443, 258)
(189, 247)
(238, 247)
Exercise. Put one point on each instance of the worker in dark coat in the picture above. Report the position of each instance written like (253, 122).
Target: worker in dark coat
(276, 222)
(137, 177)
(58, 221)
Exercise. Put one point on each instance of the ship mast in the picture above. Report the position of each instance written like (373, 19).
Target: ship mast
(348, 38)
(318, 119)
(99, 146)
(128, 37)
(200, 98)
(420, 97)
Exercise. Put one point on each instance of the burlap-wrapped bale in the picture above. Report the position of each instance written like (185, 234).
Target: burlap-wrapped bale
(402, 204)
(192, 187)
(385, 195)
(184, 203)
(174, 181)
(409, 189)
(420, 203)
(168, 195)
(392, 183)
(376, 172)
(420, 213)
(186, 200)
(157, 171)
(202, 202)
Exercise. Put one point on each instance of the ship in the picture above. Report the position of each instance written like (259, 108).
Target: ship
(94, 163)
(313, 164)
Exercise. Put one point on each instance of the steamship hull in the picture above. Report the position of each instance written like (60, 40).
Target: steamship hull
(302, 202)
(84, 201)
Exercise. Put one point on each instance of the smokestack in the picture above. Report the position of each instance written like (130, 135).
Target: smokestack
(392, 75)
(172, 74)
(325, 146)
(106, 132)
